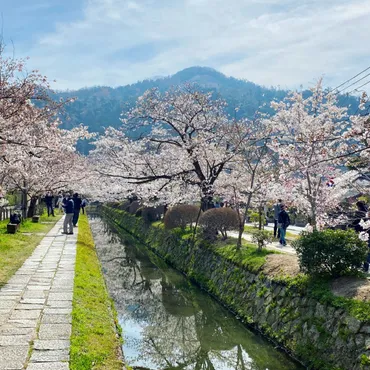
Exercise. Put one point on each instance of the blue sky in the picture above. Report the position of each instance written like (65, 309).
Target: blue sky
(284, 43)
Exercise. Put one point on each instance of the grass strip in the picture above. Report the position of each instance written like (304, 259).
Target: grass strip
(16, 248)
(94, 342)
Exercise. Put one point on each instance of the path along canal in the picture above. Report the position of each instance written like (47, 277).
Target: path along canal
(168, 322)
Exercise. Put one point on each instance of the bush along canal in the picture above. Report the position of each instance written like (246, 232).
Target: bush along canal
(167, 321)
(324, 331)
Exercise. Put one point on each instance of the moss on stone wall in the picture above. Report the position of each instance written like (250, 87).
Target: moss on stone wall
(303, 316)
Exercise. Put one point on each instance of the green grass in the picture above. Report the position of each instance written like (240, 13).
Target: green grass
(248, 256)
(94, 342)
(289, 236)
(16, 248)
(158, 224)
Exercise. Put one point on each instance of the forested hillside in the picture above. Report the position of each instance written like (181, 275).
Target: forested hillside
(99, 107)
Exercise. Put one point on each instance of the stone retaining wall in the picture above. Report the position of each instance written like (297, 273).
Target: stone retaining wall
(319, 335)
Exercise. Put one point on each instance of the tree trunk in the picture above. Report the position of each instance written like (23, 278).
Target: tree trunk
(242, 222)
(24, 204)
(260, 217)
(196, 223)
(32, 208)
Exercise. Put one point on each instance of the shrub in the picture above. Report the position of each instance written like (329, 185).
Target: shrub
(262, 238)
(134, 206)
(180, 216)
(149, 214)
(333, 252)
(219, 219)
(254, 217)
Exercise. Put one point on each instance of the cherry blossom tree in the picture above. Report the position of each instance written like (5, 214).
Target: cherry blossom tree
(46, 163)
(25, 100)
(250, 178)
(309, 140)
(185, 143)
(35, 154)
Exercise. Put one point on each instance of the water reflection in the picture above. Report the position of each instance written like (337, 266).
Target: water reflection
(167, 322)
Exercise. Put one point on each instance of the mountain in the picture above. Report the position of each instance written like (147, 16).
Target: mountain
(101, 106)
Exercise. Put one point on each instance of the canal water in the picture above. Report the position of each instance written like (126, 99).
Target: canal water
(168, 322)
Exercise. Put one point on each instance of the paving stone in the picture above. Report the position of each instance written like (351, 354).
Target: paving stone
(10, 293)
(55, 331)
(5, 297)
(5, 312)
(48, 366)
(15, 340)
(22, 306)
(56, 319)
(20, 279)
(35, 294)
(33, 301)
(38, 287)
(50, 355)
(59, 304)
(61, 296)
(57, 311)
(25, 314)
(24, 323)
(9, 329)
(7, 304)
(44, 275)
(51, 344)
(13, 357)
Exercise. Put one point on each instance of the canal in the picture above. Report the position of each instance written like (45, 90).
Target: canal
(170, 323)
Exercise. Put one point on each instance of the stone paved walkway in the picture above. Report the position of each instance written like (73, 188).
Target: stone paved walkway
(273, 246)
(36, 306)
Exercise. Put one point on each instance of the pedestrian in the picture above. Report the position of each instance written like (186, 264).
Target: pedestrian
(361, 214)
(277, 209)
(77, 207)
(49, 203)
(83, 205)
(69, 211)
(15, 218)
(60, 202)
(283, 223)
(265, 212)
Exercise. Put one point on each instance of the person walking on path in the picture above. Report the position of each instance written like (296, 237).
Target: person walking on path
(277, 209)
(49, 203)
(83, 205)
(69, 210)
(361, 214)
(77, 207)
(283, 223)
(60, 202)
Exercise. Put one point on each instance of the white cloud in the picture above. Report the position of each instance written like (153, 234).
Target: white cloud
(272, 42)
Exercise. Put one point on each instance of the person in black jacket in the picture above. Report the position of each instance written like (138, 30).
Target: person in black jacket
(284, 222)
(69, 211)
(49, 203)
(77, 207)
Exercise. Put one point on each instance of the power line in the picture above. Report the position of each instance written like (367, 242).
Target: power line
(359, 87)
(358, 74)
(354, 83)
